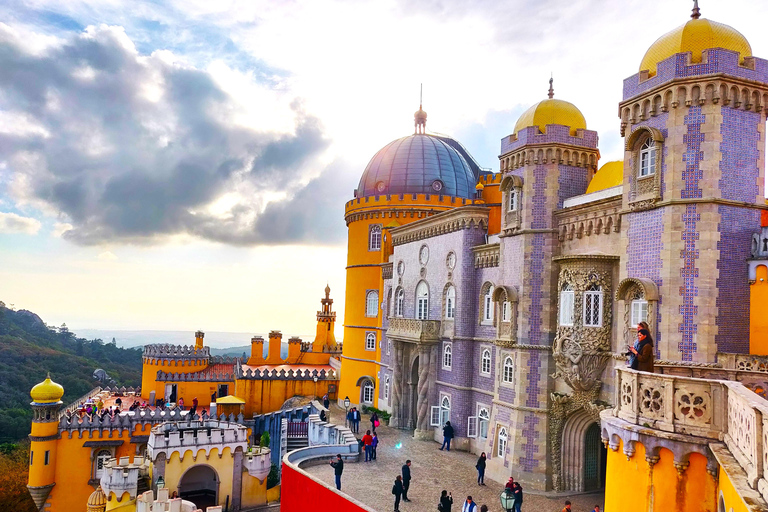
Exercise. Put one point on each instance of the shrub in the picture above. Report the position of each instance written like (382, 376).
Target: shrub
(264, 441)
(272, 478)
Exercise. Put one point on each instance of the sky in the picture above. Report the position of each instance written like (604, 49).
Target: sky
(184, 165)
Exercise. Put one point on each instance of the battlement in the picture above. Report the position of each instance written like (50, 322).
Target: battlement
(306, 346)
(282, 374)
(176, 352)
(556, 135)
(404, 200)
(122, 475)
(221, 369)
(258, 462)
(146, 502)
(192, 436)
(122, 421)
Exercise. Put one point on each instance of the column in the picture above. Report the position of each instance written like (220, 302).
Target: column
(422, 403)
(397, 385)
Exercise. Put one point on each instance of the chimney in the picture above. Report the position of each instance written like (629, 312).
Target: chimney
(199, 335)
(257, 351)
(275, 341)
(294, 350)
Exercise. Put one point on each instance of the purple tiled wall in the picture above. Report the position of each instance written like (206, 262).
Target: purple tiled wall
(740, 155)
(556, 134)
(644, 246)
(572, 182)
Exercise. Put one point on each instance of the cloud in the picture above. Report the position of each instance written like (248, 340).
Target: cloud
(107, 256)
(137, 148)
(13, 223)
(59, 228)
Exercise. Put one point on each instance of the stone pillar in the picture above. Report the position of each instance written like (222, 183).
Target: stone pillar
(237, 479)
(397, 386)
(422, 396)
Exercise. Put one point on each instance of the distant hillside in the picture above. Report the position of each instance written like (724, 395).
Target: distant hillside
(29, 349)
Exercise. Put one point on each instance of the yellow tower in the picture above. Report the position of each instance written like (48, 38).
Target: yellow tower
(46, 402)
(758, 290)
(325, 339)
(408, 179)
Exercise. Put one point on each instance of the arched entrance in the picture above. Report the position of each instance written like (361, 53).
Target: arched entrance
(583, 454)
(200, 485)
(595, 456)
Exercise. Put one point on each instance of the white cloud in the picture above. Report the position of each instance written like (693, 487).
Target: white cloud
(107, 256)
(14, 223)
(60, 228)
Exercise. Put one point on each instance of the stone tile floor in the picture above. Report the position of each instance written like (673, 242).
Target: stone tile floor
(432, 471)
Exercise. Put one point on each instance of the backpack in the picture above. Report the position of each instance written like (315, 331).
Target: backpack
(393, 489)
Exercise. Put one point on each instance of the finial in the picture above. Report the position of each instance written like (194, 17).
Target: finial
(696, 14)
(551, 90)
(420, 117)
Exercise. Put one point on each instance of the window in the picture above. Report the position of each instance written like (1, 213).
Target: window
(488, 305)
(648, 158)
(593, 306)
(368, 392)
(389, 347)
(47, 457)
(502, 442)
(483, 417)
(450, 302)
(386, 388)
(447, 356)
(31, 457)
(372, 303)
(485, 362)
(101, 459)
(514, 199)
(374, 239)
(370, 341)
(445, 410)
(639, 311)
(509, 369)
(399, 300)
(506, 309)
(566, 305)
(422, 301)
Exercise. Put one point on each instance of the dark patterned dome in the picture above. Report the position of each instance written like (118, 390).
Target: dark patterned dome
(420, 164)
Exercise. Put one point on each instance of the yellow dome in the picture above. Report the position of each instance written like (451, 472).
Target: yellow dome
(552, 111)
(97, 502)
(47, 392)
(610, 175)
(695, 36)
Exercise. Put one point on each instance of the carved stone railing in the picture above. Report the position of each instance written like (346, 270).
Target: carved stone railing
(386, 271)
(71, 408)
(487, 255)
(755, 381)
(745, 362)
(415, 331)
(721, 410)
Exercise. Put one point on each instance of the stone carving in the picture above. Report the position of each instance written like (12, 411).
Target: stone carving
(652, 400)
(693, 405)
(741, 426)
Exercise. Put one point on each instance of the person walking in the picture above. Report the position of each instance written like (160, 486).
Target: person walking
(446, 501)
(374, 445)
(406, 479)
(326, 401)
(368, 445)
(338, 469)
(398, 491)
(447, 435)
(356, 420)
(469, 505)
(517, 491)
(567, 507)
(481, 469)
(374, 421)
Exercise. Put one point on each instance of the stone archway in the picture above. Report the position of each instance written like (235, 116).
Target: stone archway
(582, 466)
(200, 485)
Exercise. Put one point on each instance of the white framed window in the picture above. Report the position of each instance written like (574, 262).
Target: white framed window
(389, 347)
(593, 306)
(447, 356)
(485, 362)
(488, 305)
(368, 392)
(370, 340)
(514, 199)
(506, 311)
(450, 302)
(445, 409)
(509, 369)
(374, 238)
(386, 388)
(483, 418)
(101, 459)
(472, 426)
(501, 444)
(422, 301)
(372, 303)
(647, 158)
(566, 305)
(434, 416)
(399, 302)
(639, 311)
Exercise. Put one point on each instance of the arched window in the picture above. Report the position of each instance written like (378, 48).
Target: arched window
(506, 311)
(101, 460)
(368, 392)
(639, 312)
(483, 417)
(488, 305)
(647, 158)
(593, 306)
(485, 362)
(566, 305)
(374, 238)
(514, 199)
(372, 303)
(370, 341)
(450, 302)
(447, 356)
(422, 301)
(445, 410)
(502, 442)
(399, 301)
(509, 369)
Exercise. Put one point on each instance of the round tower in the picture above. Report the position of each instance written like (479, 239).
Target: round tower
(46, 402)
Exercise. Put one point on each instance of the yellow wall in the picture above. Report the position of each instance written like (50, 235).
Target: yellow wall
(125, 504)
(39, 473)
(263, 396)
(150, 367)
(492, 198)
(253, 492)
(731, 498)
(758, 320)
(223, 465)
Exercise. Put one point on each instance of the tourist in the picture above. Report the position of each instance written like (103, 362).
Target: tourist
(375, 444)
(368, 445)
(596, 509)
(204, 414)
(517, 490)
(174, 495)
(481, 469)
(447, 435)
(484, 508)
(100, 404)
(181, 404)
(567, 507)
(338, 469)
(323, 417)
(355, 420)
(510, 485)
(213, 397)
(398, 490)
(194, 406)
(406, 479)
(469, 505)
(374, 421)
(326, 401)
(642, 353)
(350, 421)
(119, 403)
(446, 501)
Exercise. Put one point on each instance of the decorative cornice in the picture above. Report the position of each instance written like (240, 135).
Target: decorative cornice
(487, 255)
(465, 217)
(579, 257)
(40, 439)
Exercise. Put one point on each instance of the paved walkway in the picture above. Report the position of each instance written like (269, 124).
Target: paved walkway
(432, 471)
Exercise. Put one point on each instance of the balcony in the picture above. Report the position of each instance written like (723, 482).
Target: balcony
(414, 331)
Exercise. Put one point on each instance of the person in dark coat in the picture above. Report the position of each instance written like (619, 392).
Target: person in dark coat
(355, 420)
(398, 491)
(517, 491)
(446, 501)
(326, 401)
(374, 420)
(338, 469)
(447, 435)
(481, 469)
(406, 479)
(643, 352)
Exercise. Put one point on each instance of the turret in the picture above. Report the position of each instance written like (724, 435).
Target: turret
(325, 338)
(199, 335)
(46, 402)
(120, 480)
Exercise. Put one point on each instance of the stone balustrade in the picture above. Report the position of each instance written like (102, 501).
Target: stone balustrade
(487, 255)
(415, 331)
(74, 406)
(744, 362)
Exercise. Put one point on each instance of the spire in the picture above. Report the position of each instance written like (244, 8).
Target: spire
(420, 117)
(551, 90)
(696, 13)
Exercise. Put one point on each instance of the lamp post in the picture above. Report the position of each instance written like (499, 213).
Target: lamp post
(507, 500)
(160, 482)
(346, 410)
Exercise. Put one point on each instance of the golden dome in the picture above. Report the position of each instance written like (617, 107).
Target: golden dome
(479, 186)
(610, 175)
(552, 111)
(695, 36)
(47, 392)
(97, 502)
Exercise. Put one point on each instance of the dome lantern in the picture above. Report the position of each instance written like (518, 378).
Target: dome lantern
(420, 117)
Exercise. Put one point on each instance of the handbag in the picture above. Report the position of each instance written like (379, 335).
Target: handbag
(376, 423)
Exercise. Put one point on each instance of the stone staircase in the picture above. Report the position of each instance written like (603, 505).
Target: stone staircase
(294, 443)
